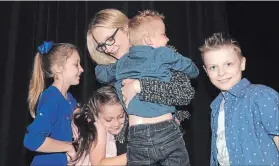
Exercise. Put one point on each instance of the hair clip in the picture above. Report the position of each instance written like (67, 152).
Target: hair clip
(45, 47)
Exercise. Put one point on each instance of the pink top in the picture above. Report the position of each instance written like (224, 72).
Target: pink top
(111, 150)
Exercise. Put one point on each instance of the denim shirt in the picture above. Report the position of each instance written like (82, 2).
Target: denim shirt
(146, 62)
(251, 122)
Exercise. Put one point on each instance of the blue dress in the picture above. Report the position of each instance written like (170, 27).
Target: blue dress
(53, 119)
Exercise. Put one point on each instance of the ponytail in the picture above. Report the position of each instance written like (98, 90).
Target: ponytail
(87, 132)
(37, 84)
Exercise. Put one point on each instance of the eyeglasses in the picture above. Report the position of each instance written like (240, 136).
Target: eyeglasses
(101, 47)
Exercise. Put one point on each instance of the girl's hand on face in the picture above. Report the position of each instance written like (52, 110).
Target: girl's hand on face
(130, 87)
(100, 127)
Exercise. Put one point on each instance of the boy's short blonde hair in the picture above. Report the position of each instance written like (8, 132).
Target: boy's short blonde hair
(140, 25)
(220, 40)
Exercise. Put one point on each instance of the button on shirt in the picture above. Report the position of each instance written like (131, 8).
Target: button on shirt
(53, 119)
(251, 122)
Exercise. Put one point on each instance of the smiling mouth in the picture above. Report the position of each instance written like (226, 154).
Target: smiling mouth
(224, 80)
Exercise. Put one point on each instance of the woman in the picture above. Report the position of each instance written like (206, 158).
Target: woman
(111, 24)
(108, 40)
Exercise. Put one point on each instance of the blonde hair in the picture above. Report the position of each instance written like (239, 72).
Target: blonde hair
(218, 41)
(140, 25)
(108, 18)
(43, 68)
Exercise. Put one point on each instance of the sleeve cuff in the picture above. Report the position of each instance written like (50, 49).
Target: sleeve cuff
(33, 142)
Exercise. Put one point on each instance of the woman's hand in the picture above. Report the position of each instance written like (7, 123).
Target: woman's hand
(130, 87)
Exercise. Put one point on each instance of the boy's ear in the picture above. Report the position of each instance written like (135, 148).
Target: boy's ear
(147, 40)
(243, 63)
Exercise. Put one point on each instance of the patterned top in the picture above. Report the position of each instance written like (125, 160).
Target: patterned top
(251, 122)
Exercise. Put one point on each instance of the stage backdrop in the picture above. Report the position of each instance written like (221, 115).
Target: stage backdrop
(24, 25)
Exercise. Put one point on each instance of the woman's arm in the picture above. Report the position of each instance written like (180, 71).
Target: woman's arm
(105, 73)
(178, 91)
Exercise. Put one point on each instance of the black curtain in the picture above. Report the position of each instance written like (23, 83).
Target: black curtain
(24, 25)
(256, 25)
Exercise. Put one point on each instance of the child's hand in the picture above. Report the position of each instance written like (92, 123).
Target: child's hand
(71, 153)
(177, 121)
(101, 130)
(130, 87)
(75, 131)
(74, 127)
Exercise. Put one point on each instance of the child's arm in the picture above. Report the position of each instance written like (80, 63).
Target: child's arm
(98, 150)
(37, 136)
(50, 146)
(178, 62)
(105, 73)
(267, 102)
(185, 65)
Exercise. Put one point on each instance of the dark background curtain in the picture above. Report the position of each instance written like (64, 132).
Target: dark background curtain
(24, 25)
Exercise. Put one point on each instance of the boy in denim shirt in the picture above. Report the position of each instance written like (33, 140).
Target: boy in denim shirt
(154, 137)
(245, 116)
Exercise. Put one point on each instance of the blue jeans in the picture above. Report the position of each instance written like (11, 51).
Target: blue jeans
(156, 144)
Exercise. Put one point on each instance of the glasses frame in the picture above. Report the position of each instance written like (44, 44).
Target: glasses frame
(102, 47)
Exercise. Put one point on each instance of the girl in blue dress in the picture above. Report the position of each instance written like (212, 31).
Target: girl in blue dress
(50, 134)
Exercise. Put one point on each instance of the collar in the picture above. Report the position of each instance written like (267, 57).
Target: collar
(140, 48)
(236, 91)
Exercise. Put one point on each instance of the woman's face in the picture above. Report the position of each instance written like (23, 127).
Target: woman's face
(118, 37)
(112, 117)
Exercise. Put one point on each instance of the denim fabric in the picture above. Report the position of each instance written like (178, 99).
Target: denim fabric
(146, 62)
(156, 144)
(251, 122)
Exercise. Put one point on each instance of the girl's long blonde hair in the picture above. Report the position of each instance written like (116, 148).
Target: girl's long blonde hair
(43, 68)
